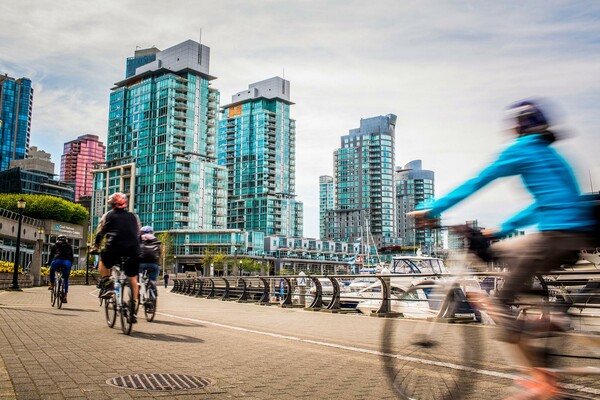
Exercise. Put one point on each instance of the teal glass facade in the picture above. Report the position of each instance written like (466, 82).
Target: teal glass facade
(326, 202)
(164, 122)
(16, 104)
(414, 185)
(364, 168)
(257, 145)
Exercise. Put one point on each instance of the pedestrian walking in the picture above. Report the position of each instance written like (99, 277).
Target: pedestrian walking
(166, 278)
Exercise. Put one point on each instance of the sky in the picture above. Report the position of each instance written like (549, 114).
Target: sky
(447, 69)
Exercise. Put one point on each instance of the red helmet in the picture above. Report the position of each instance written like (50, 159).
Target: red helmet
(118, 200)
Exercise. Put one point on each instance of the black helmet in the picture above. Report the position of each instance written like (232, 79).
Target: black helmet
(528, 117)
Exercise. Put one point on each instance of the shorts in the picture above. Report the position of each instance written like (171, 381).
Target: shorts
(110, 258)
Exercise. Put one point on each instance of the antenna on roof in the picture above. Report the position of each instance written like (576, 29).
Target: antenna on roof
(283, 73)
(137, 47)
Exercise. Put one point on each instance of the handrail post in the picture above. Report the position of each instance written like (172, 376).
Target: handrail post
(334, 305)
(245, 295)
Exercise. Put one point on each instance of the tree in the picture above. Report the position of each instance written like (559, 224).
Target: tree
(167, 249)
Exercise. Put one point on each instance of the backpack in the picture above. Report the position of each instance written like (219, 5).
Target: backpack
(150, 251)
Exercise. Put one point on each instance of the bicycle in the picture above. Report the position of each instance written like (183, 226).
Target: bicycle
(121, 301)
(442, 357)
(57, 293)
(147, 296)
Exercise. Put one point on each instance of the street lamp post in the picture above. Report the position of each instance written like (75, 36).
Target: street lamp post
(15, 284)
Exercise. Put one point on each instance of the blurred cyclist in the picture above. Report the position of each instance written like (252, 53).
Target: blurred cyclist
(564, 221)
(61, 256)
(149, 256)
(122, 231)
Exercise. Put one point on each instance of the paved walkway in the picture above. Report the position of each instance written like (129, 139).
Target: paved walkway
(247, 351)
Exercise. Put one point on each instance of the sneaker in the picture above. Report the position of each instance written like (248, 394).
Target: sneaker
(541, 385)
(64, 299)
(107, 288)
(134, 308)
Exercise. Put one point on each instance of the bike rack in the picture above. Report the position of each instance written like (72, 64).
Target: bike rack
(334, 305)
(264, 299)
(225, 295)
(245, 294)
(317, 303)
(287, 301)
(199, 291)
(211, 294)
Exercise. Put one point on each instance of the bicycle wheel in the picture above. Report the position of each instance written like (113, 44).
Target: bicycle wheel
(127, 308)
(53, 295)
(110, 310)
(430, 359)
(150, 307)
(59, 292)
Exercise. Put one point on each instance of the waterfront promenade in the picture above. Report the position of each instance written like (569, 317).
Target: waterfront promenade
(243, 350)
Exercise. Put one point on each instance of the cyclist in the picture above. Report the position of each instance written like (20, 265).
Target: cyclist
(122, 231)
(564, 222)
(149, 256)
(61, 256)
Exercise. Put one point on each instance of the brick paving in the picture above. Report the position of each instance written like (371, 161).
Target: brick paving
(248, 351)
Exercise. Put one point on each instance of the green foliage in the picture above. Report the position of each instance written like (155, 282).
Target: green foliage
(168, 246)
(41, 206)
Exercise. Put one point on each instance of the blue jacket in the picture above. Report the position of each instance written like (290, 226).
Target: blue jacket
(558, 204)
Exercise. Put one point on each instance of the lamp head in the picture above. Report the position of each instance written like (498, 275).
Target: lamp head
(21, 204)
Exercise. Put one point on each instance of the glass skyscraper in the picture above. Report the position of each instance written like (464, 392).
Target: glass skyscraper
(414, 185)
(162, 127)
(364, 168)
(16, 103)
(257, 145)
(77, 163)
(326, 202)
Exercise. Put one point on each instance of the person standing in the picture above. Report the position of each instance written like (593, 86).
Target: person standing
(166, 278)
(61, 256)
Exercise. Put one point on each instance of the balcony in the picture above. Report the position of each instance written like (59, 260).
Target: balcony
(180, 116)
(182, 189)
(182, 199)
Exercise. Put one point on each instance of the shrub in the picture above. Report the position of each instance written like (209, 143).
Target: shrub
(41, 206)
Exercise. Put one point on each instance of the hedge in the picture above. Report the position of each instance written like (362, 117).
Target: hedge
(42, 206)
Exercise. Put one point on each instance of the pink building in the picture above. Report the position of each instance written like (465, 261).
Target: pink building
(77, 163)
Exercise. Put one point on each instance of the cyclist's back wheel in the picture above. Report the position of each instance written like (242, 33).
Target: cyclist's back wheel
(59, 292)
(127, 308)
(53, 296)
(150, 309)
(431, 366)
(110, 310)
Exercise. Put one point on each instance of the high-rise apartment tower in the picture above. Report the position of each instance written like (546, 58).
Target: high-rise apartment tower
(326, 202)
(257, 145)
(16, 103)
(414, 185)
(161, 142)
(78, 160)
(364, 169)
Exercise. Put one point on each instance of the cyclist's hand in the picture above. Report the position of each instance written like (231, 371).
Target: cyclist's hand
(94, 250)
(422, 221)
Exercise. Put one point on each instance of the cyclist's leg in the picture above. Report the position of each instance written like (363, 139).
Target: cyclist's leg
(107, 260)
(132, 269)
(153, 270)
(525, 256)
(53, 266)
(66, 273)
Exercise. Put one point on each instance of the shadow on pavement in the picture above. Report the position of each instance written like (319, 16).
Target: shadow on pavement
(172, 323)
(80, 309)
(58, 313)
(166, 338)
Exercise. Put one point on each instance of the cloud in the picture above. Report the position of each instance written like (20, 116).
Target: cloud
(447, 69)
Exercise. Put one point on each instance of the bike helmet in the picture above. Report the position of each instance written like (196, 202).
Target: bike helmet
(61, 239)
(147, 229)
(528, 117)
(118, 200)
